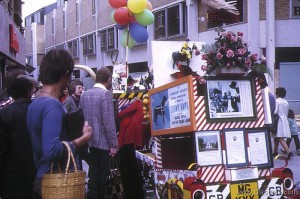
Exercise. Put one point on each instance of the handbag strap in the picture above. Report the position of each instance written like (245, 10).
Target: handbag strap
(70, 156)
(113, 163)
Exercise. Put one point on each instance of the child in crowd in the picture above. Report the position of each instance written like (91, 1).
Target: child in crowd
(294, 131)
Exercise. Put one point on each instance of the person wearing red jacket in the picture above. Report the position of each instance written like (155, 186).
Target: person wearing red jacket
(130, 138)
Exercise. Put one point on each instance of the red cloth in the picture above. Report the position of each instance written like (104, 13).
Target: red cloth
(131, 126)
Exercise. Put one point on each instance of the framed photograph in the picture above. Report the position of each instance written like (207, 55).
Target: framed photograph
(259, 147)
(230, 99)
(208, 148)
(235, 148)
(172, 107)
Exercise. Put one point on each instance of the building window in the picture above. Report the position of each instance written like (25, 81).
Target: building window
(64, 19)
(89, 44)
(230, 18)
(77, 13)
(73, 48)
(53, 26)
(295, 9)
(109, 39)
(93, 7)
(61, 2)
(170, 22)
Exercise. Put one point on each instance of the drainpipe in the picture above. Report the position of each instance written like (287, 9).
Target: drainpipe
(270, 40)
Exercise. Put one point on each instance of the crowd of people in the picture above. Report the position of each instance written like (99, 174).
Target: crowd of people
(32, 128)
(32, 131)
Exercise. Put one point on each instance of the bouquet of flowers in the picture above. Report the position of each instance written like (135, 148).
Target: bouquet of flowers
(229, 51)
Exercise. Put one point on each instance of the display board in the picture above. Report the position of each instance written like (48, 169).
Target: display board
(172, 107)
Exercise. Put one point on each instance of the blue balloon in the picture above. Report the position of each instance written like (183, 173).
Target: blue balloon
(121, 27)
(138, 32)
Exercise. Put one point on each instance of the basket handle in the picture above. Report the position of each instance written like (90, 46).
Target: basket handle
(70, 156)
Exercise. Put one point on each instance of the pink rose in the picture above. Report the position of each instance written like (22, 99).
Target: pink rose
(248, 63)
(229, 35)
(219, 56)
(230, 53)
(253, 57)
(241, 51)
(204, 57)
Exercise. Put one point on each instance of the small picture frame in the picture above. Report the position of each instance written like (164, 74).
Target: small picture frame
(208, 148)
(259, 148)
(235, 148)
(230, 99)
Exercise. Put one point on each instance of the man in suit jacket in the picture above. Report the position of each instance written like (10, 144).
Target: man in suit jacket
(98, 109)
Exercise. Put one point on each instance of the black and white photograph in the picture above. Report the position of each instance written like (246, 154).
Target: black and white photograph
(230, 99)
(208, 145)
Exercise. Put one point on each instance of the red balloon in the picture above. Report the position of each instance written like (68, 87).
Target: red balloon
(118, 3)
(122, 16)
(132, 19)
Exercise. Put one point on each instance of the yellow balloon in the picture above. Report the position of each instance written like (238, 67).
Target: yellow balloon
(136, 6)
(149, 6)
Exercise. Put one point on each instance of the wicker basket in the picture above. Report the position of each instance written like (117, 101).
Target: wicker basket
(64, 185)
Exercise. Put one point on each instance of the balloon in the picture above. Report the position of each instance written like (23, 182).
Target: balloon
(132, 19)
(117, 3)
(144, 18)
(112, 18)
(122, 16)
(138, 32)
(125, 36)
(137, 6)
(149, 5)
(120, 27)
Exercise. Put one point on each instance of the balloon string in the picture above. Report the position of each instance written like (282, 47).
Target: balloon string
(126, 53)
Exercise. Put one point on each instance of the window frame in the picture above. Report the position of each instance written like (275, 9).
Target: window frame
(163, 22)
(108, 39)
(72, 47)
(88, 44)
(293, 6)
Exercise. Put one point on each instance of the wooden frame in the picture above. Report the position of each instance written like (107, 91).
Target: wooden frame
(235, 148)
(230, 99)
(208, 148)
(172, 107)
(259, 147)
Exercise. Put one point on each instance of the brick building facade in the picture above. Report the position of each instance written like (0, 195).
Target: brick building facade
(84, 27)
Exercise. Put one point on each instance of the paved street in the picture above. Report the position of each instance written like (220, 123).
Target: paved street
(293, 164)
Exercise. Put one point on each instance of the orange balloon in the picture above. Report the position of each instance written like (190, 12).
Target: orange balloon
(149, 6)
